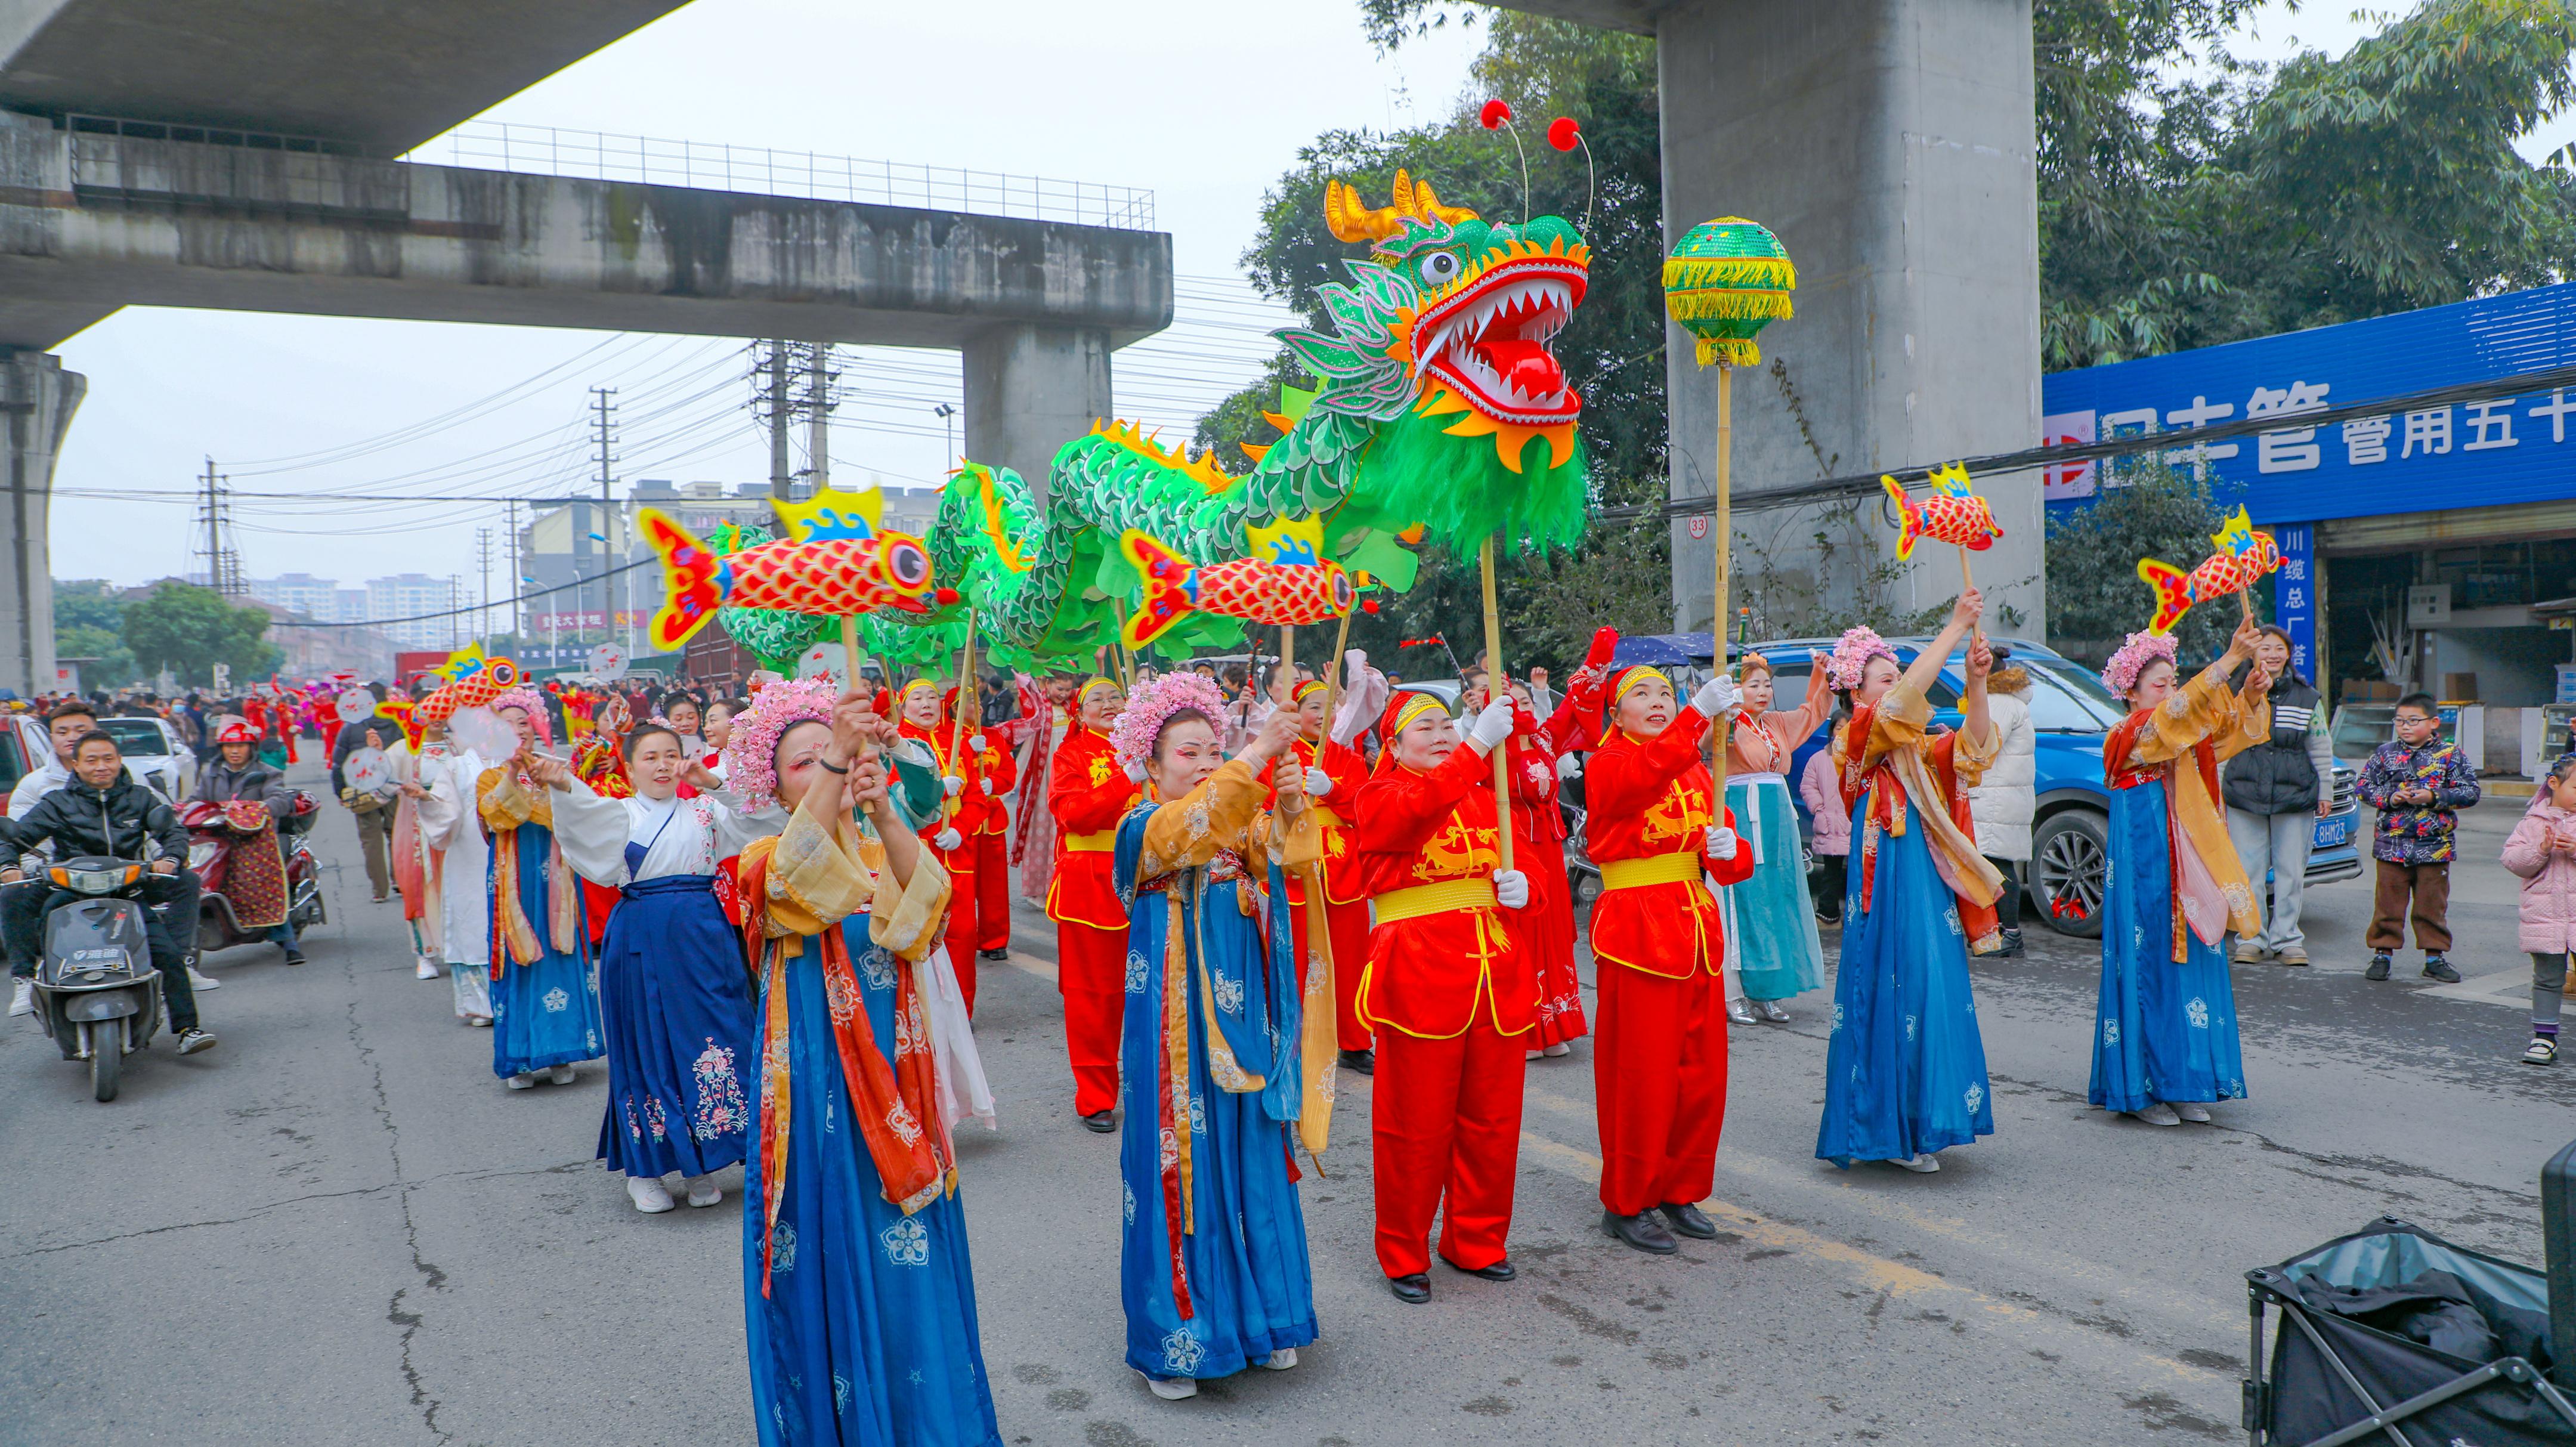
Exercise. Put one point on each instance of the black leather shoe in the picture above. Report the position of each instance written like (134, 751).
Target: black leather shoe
(1363, 1061)
(295, 957)
(1686, 1219)
(1411, 1290)
(1502, 1270)
(1099, 1122)
(1642, 1231)
(996, 955)
(2013, 948)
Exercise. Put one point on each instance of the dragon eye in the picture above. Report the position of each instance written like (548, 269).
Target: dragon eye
(908, 564)
(1439, 267)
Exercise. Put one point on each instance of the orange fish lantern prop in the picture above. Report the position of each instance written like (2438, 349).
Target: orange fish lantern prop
(1950, 513)
(2243, 558)
(833, 577)
(1252, 589)
(494, 678)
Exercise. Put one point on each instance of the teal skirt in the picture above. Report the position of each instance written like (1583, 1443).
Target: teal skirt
(1770, 918)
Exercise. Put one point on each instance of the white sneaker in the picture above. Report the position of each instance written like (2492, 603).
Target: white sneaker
(560, 1075)
(703, 1190)
(1925, 1164)
(479, 1022)
(422, 969)
(23, 1000)
(1528, 1055)
(200, 981)
(2158, 1114)
(1281, 1360)
(1173, 1389)
(521, 1081)
(649, 1194)
(2192, 1111)
(1558, 1050)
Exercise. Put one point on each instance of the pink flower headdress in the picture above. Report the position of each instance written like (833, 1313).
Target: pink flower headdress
(1152, 705)
(1851, 657)
(751, 752)
(2141, 649)
(538, 718)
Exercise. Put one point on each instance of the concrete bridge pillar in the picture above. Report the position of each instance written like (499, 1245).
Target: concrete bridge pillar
(1030, 390)
(1889, 144)
(37, 399)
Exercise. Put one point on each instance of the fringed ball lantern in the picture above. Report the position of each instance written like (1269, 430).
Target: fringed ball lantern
(1725, 281)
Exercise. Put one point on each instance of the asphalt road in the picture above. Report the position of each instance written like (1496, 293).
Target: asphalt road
(338, 1228)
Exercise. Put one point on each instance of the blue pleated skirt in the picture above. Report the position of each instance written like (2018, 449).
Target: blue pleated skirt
(547, 1013)
(1905, 1069)
(868, 1336)
(2161, 1030)
(682, 1047)
(1771, 925)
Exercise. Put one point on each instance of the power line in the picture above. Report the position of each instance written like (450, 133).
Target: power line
(457, 612)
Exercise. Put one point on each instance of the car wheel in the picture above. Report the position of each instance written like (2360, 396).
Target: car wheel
(2070, 870)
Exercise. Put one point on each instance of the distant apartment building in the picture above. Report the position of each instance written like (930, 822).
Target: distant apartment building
(320, 599)
(409, 595)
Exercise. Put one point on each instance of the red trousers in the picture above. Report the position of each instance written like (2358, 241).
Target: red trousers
(1349, 924)
(992, 890)
(1659, 1079)
(962, 928)
(1091, 972)
(1445, 1121)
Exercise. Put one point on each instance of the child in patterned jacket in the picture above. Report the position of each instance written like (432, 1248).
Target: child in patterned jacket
(2417, 783)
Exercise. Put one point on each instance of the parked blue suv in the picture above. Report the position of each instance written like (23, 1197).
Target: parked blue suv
(2070, 713)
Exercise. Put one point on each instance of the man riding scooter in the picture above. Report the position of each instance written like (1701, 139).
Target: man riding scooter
(256, 881)
(104, 812)
(69, 722)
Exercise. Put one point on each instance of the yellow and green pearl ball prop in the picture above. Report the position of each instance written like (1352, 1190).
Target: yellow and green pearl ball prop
(1725, 281)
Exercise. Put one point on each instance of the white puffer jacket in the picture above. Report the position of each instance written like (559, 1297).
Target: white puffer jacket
(2002, 804)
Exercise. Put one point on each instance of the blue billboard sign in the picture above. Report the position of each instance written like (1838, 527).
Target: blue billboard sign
(2473, 454)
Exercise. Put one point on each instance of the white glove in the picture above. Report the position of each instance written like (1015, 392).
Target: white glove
(975, 742)
(948, 838)
(1716, 698)
(1136, 772)
(986, 785)
(1492, 726)
(1721, 842)
(953, 785)
(1318, 783)
(1568, 766)
(1511, 888)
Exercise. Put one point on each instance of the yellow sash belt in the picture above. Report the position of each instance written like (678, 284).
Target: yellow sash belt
(1422, 899)
(1100, 843)
(1638, 873)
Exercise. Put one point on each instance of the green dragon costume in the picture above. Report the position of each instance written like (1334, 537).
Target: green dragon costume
(1440, 414)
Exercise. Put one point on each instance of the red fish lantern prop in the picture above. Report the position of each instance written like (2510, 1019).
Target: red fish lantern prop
(496, 677)
(835, 577)
(1252, 589)
(2243, 558)
(1950, 513)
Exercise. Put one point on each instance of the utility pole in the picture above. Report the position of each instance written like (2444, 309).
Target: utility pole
(781, 475)
(948, 414)
(483, 554)
(517, 570)
(214, 534)
(605, 440)
(818, 414)
(455, 613)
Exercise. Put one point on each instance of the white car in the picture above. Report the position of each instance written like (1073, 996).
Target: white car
(153, 753)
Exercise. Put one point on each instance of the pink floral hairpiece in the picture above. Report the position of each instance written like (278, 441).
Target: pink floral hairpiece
(1851, 657)
(751, 752)
(1152, 705)
(2140, 649)
(538, 718)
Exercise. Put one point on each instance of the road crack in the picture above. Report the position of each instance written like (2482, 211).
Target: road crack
(408, 1321)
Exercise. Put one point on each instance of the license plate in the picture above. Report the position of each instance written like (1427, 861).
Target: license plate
(2335, 831)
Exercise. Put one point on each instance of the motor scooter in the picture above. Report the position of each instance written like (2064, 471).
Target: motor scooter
(215, 831)
(97, 993)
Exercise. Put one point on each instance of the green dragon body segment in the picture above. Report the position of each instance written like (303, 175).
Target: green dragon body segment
(1439, 409)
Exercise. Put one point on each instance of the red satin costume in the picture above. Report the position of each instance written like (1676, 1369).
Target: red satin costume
(1087, 793)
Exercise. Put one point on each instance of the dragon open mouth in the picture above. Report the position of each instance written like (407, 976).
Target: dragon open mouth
(1487, 338)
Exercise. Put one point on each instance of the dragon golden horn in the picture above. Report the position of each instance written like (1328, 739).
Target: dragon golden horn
(1425, 203)
(1349, 220)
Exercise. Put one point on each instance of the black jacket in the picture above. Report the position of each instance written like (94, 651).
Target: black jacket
(2277, 776)
(353, 737)
(116, 821)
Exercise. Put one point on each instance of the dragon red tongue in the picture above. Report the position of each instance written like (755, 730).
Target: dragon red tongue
(1525, 366)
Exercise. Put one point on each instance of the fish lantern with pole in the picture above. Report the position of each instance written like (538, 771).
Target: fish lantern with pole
(1723, 283)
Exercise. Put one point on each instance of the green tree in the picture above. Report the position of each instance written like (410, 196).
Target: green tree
(2096, 597)
(89, 622)
(188, 630)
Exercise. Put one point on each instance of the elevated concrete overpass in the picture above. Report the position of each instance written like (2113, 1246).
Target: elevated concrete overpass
(240, 156)
(1890, 144)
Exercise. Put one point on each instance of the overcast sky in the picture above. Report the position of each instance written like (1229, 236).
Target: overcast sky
(1203, 102)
